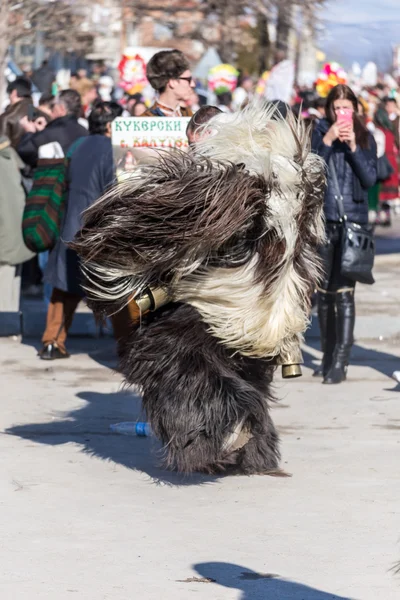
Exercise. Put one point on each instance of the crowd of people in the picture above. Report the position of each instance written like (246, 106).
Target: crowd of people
(75, 124)
(378, 109)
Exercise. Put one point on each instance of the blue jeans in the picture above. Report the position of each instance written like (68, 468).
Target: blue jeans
(43, 258)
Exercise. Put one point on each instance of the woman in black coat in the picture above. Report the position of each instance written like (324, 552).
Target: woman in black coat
(346, 145)
(91, 171)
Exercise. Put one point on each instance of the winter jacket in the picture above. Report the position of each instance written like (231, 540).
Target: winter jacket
(91, 171)
(62, 131)
(356, 173)
(12, 203)
(43, 79)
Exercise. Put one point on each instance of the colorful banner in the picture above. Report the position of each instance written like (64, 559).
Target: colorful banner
(132, 70)
(331, 75)
(138, 140)
(222, 78)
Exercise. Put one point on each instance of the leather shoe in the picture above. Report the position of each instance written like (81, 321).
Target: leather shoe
(52, 352)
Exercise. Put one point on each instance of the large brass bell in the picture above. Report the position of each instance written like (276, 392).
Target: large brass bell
(290, 362)
(291, 371)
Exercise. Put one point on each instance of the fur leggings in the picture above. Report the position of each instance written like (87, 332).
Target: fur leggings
(207, 405)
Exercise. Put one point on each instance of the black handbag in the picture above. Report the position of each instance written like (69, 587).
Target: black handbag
(358, 244)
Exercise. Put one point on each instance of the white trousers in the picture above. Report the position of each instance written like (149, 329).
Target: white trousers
(10, 291)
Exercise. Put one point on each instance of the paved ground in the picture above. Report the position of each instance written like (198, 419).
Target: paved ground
(90, 515)
(87, 514)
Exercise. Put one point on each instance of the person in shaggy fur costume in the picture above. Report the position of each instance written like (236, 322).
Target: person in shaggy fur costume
(221, 244)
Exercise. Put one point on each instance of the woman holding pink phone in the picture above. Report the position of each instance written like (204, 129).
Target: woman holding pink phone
(349, 151)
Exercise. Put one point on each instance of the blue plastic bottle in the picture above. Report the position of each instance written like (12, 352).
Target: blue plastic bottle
(139, 428)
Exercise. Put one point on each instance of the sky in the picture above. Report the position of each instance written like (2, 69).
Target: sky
(360, 30)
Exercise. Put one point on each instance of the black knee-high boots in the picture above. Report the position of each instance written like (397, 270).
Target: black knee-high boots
(336, 313)
(327, 327)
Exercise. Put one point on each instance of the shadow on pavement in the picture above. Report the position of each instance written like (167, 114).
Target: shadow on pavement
(89, 427)
(260, 586)
(395, 389)
(383, 362)
(101, 350)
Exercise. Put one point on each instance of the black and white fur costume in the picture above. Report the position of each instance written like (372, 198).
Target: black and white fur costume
(230, 234)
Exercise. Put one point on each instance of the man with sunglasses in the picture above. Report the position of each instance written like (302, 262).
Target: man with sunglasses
(169, 74)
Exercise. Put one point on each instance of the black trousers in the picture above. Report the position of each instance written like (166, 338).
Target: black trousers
(336, 306)
(331, 254)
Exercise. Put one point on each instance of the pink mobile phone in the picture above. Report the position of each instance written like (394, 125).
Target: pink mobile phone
(344, 116)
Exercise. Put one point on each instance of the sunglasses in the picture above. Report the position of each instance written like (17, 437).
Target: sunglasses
(188, 79)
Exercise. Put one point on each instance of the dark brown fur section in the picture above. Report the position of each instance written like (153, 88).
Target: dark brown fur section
(195, 392)
(186, 211)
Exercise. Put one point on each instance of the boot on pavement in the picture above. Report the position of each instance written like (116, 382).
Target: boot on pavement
(327, 327)
(345, 319)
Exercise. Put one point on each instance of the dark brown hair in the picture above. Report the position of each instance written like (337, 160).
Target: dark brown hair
(10, 121)
(165, 65)
(344, 92)
(137, 103)
(71, 101)
(47, 100)
(203, 115)
(99, 118)
(22, 85)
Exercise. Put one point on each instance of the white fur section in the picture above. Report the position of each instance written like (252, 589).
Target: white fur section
(232, 437)
(278, 149)
(256, 137)
(245, 316)
(237, 439)
(99, 277)
(254, 319)
(110, 284)
(313, 165)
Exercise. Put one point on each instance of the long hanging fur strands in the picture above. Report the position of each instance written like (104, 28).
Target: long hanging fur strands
(176, 217)
(162, 227)
(258, 307)
(231, 232)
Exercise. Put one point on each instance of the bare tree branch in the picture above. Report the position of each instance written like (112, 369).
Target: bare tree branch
(222, 22)
(58, 20)
(22, 19)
